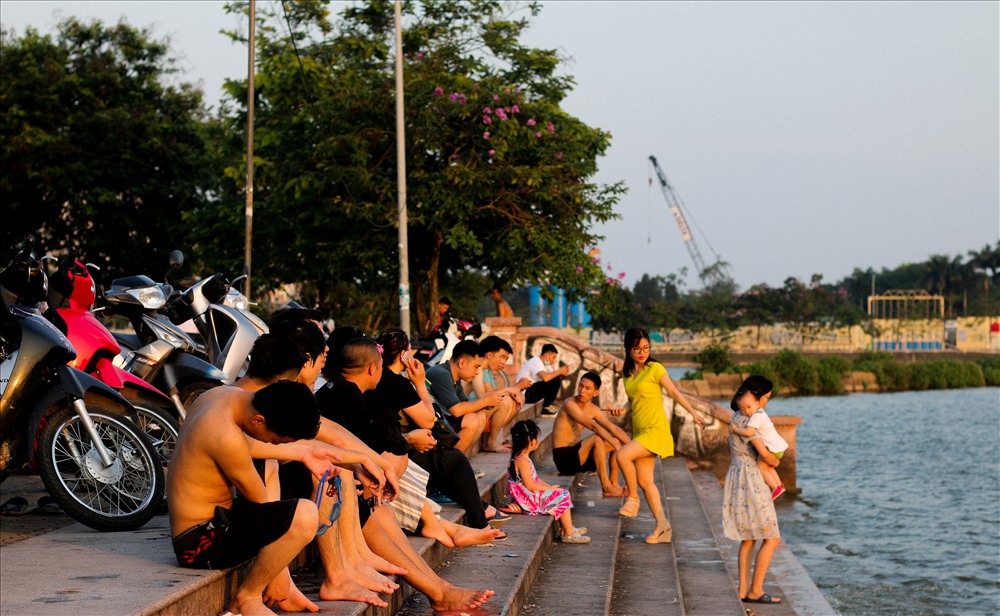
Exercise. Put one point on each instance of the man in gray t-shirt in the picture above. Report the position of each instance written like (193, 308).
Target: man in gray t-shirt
(466, 416)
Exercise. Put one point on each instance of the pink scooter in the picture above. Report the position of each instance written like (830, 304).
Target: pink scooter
(72, 294)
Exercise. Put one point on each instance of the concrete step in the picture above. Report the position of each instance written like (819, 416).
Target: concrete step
(76, 570)
(577, 580)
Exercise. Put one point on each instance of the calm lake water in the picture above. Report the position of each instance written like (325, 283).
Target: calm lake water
(900, 504)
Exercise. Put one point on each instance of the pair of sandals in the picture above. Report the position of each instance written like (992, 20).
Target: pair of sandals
(19, 506)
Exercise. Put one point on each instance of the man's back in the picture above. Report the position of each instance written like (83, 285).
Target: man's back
(196, 484)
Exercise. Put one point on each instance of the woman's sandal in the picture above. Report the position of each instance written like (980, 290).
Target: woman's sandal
(511, 507)
(662, 534)
(630, 509)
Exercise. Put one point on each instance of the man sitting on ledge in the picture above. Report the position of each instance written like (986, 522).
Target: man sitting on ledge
(213, 528)
(573, 454)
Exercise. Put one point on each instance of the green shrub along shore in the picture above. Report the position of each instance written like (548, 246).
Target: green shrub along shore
(795, 373)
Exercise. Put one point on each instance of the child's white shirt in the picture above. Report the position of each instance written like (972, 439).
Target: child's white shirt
(765, 427)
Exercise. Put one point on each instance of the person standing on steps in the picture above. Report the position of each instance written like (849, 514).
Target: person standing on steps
(748, 513)
(645, 380)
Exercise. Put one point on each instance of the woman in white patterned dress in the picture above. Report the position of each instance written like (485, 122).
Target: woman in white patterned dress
(747, 508)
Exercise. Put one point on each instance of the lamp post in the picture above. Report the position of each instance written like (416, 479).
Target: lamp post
(404, 268)
(249, 189)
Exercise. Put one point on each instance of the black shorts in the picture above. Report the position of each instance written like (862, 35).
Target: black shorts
(567, 460)
(297, 482)
(234, 535)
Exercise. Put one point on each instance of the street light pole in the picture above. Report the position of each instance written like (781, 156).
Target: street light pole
(249, 188)
(404, 268)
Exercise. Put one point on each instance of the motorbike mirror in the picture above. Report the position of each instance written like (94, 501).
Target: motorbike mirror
(176, 259)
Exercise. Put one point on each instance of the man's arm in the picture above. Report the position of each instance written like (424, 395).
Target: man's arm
(471, 406)
(578, 414)
(555, 374)
(612, 428)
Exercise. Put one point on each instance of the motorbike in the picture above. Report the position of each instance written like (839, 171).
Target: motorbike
(158, 351)
(79, 434)
(73, 293)
(221, 316)
(436, 346)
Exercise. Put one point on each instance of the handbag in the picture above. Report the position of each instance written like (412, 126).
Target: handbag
(442, 431)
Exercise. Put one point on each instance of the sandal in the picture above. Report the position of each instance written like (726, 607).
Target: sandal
(16, 506)
(511, 508)
(630, 509)
(661, 534)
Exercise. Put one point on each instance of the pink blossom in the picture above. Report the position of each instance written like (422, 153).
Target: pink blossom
(514, 109)
(551, 127)
(420, 54)
(518, 90)
(496, 97)
(559, 156)
(579, 268)
(609, 267)
(537, 135)
(530, 122)
(486, 135)
(487, 110)
(438, 92)
(507, 91)
(487, 120)
(492, 152)
(621, 275)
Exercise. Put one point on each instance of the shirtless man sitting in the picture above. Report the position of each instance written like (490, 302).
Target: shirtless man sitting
(573, 454)
(219, 514)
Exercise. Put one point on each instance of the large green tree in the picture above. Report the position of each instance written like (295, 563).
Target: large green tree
(499, 176)
(97, 152)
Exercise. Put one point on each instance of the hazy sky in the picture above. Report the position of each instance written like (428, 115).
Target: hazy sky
(802, 138)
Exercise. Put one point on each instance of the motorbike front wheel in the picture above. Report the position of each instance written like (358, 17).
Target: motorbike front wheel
(123, 496)
(157, 422)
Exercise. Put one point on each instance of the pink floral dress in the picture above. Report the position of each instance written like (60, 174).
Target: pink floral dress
(547, 502)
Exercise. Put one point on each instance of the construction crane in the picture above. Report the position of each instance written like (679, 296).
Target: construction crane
(714, 275)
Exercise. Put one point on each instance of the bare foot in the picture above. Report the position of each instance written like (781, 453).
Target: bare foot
(614, 490)
(294, 601)
(371, 579)
(456, 598)
(253, 606)
(380, 564)
(345, 589)
(496, 448)
(434, 530)
(466, 536)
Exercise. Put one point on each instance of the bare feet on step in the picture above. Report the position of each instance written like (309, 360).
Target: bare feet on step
(466, 536)
(380, 564)
(455, 598)
(371, 579)
(434, 530)
(346, 589)
(294, 602)
(252, 606)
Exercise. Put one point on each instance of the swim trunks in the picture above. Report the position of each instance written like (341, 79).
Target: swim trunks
(234, 535)
(567, 460)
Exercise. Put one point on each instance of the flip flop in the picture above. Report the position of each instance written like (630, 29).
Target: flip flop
(501, 537)
(511, 508)
(48, 506)
(498, 519)
(16, 506)
(764, 598)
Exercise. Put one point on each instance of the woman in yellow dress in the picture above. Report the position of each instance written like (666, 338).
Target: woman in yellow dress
(644, 379)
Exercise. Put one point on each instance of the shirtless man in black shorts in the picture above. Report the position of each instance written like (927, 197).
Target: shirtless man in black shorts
(219, 514)
(573, 454)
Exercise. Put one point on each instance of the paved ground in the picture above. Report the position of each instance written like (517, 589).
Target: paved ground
(14, 529)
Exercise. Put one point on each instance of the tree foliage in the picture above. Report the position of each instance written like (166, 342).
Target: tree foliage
(498, 176)
(96, 152)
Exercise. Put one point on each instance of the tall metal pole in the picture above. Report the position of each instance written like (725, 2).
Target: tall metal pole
(249, 189)
(404, 267)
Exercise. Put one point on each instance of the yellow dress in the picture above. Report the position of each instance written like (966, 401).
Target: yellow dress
(649, 421)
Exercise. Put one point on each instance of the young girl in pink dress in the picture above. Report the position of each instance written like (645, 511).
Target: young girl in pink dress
(535, 496)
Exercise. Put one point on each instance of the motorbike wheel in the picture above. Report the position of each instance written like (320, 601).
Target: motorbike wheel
(121, 497)
(190, 392)
(157, 422)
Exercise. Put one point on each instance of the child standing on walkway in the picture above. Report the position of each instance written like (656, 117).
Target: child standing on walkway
(535, 496)
(750, 399)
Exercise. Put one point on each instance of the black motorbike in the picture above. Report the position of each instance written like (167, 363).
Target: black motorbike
(77, 433)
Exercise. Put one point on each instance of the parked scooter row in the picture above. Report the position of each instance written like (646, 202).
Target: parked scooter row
(436, 346)
(80, 434)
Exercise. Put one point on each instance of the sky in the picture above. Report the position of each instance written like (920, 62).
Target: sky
(801, 138)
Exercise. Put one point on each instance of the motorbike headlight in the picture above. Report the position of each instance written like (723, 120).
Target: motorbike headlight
(237, 300)
(150, 297)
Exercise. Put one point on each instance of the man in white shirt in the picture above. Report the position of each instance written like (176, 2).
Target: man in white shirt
(542, 378)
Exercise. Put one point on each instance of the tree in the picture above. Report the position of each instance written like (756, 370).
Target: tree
(96, 152)
(498, 175)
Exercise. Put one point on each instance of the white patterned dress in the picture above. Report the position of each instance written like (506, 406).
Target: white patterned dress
(747, 507)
